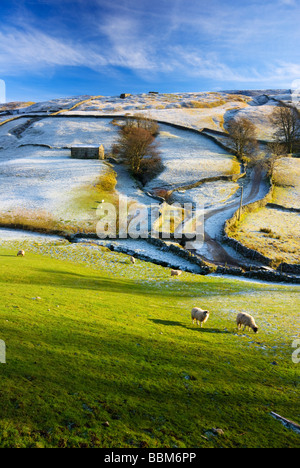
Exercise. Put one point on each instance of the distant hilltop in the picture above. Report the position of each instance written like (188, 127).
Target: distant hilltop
(200, 110)
(64, 103)
(259, 92)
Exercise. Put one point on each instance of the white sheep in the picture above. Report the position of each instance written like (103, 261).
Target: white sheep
(176, 272)
(246, 320)
(199, 315)
(21, 253)
(132, 259)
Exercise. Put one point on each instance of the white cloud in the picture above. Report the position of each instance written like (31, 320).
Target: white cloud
(127, 45)
(122, 41)
(34, 50)
(290, 71)
(288, 2)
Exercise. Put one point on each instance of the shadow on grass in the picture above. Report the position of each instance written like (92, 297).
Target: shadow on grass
(78, 281)
(59, 277)
(189, 327)
(126, 285)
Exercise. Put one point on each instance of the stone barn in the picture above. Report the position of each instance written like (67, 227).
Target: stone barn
(87, 152)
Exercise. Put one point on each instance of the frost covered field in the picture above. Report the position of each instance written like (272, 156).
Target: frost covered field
(44, 180)
(287, 180)
(189, 157)
(36, 178)
(39, 178)
(208, 194)
(37, 173)
(67, 132)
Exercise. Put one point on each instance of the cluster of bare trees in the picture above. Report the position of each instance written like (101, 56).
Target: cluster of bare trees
(137, 147)
(243, 139)
(286, 121)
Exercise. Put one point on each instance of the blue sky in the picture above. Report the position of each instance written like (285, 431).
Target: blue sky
(57, 48)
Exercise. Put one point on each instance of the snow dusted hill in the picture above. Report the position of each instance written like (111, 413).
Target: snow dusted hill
(196, 110)
(34, 158)
(36, 172)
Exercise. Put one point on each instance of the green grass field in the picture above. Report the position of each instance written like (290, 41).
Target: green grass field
(93, 340)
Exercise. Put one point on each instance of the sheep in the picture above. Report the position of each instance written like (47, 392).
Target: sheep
(199, 315)
(21, 253)
(132, 259)
(176, 272)
(246, 320)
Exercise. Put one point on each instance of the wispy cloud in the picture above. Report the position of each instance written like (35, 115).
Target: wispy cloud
(157, 40)
(33, 50)
(288, 2)
(126, 46)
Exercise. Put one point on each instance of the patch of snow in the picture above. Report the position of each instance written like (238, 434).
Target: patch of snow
(43, 180)
(61, 132)
(12, 234)
(208, 195)
(188, 157)
(142, 247)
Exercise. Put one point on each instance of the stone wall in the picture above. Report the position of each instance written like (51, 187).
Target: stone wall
(180, 252)
(205, 268)
(289, 268)
(283, 208)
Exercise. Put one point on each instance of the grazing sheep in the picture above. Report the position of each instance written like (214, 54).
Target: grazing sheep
(176, 272)
(199, 315)
(21, 253)
(132, 259)
(246, 320)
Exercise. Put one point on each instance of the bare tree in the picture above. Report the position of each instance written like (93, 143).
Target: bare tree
(276, 151)
(286, 122)
(243, 141)
(142, 121)
(137, 147)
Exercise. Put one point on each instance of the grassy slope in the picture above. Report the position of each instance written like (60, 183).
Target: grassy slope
(287, 182)
(282, 244)
(112, 342)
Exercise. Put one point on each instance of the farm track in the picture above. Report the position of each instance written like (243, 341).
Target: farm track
(214, 245)
(218, 253)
